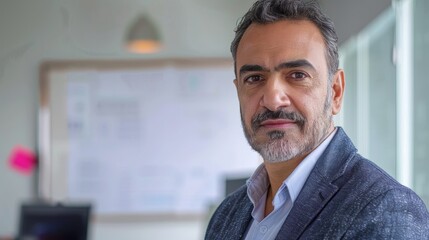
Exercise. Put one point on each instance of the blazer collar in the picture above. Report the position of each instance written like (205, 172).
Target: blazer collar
(319, 187)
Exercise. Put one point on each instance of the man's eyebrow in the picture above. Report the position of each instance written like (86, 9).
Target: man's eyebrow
(289, 64)
(295, 64)
(252, 68)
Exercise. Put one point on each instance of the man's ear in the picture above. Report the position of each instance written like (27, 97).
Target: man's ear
(236, 84)
(338, 86)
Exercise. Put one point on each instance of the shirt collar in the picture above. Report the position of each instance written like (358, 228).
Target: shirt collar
(297, 178)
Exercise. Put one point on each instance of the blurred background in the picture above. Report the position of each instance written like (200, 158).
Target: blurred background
(383, 45)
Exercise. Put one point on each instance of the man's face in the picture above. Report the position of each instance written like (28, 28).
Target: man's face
(283, 88)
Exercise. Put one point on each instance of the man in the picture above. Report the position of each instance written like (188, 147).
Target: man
(313, 184)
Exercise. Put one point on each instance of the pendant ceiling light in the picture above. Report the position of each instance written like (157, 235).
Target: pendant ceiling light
(143, 37)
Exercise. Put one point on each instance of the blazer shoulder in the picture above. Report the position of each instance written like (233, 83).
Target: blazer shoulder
(364, 174)
(370, 204)
(395, 214)
(385, 208)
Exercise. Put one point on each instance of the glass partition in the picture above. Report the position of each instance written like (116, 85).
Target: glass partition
(369, 114)
(386, 105)
(421, 99)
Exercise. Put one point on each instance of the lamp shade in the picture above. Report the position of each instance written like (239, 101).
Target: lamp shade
(143, 37)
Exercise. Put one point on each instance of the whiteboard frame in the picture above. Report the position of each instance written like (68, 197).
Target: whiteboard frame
(45, 170)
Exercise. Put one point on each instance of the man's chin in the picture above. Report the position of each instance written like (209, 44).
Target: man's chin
(277, 150)
(277, 157)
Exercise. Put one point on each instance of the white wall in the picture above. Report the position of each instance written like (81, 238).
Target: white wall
(34, 31)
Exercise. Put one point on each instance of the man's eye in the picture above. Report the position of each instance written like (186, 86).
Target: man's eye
(253, 79)
(299, 75)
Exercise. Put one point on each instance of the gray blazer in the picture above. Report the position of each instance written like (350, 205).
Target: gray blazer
(345, 197)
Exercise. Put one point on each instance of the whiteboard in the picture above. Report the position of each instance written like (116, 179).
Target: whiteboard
(145, 138)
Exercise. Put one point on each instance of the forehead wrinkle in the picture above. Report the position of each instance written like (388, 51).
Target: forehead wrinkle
(265, 38)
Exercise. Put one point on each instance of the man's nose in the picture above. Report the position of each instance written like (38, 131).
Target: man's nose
(275, 94)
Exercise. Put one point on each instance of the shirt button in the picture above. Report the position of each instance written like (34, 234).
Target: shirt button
(263, 229)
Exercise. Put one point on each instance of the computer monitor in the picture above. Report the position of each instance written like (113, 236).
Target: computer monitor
(234, 183)
(54, 222)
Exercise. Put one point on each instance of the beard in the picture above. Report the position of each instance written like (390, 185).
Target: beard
(280, 146)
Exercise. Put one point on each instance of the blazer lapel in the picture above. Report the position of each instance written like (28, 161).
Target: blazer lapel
(309, 203)
(319, 187)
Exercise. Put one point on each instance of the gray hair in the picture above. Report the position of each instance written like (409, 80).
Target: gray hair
(270, 11)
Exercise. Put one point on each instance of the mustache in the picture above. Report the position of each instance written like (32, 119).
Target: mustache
(279, 114)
